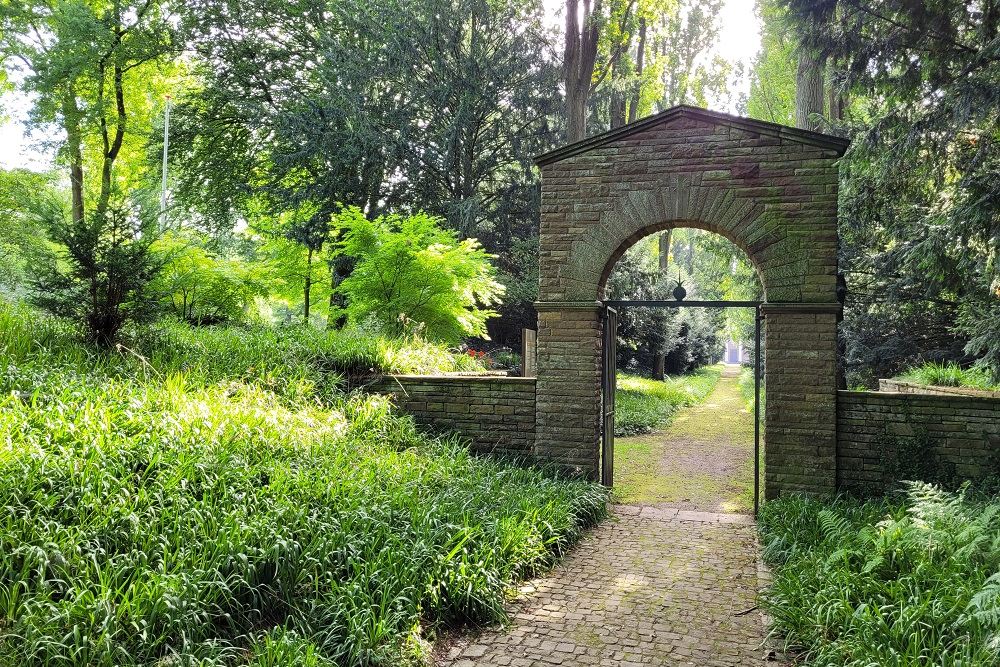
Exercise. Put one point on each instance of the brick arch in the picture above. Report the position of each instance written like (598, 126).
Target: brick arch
(770, 189)
(642, 233)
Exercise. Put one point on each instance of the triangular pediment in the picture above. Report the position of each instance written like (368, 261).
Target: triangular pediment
(784, 132)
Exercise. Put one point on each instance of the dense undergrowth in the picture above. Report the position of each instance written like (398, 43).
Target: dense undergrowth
(904, 582)
(950, 375)
(642, 404)
(210, 498)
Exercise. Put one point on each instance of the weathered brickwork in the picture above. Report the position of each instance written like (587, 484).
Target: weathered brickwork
(771, 190)
(496, 413)
(881, 436)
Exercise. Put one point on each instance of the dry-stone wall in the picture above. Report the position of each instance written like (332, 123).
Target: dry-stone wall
(496, 413)
(884, 437)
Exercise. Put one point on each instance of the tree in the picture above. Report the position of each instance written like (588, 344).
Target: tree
(88, 64)
(583, 30)
(919, 234)
(414, 276)
(22, 238)
(773, 75)
(103, 270)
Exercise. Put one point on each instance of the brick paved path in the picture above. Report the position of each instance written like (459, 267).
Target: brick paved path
(653, 585)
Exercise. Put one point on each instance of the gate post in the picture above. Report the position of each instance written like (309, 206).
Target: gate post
(800, 418)
(568, 388)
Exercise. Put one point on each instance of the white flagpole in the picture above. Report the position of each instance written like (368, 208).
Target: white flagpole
(163, 185)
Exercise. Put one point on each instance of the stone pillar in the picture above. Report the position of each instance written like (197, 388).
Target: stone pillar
(800, 424)
(568, 388)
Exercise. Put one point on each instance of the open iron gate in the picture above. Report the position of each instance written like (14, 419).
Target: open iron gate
(609, 373)
(609, 361)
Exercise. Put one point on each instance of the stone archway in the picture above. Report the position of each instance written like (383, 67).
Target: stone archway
(770, 189)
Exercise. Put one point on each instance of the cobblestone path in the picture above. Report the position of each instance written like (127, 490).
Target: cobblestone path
(657, 583)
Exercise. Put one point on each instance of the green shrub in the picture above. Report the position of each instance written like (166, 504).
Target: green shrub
(413, 275)
(908, 582)
(950, 374)
(642, 405)
(162, 511)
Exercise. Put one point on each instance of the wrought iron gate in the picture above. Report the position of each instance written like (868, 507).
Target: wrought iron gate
(609, 374)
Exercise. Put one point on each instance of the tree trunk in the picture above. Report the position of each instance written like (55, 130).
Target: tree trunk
(579, 59)
(664, 247)
(659, 364)
(640, 62)
(617, 111)
(71, 117)
(308, 285)
(808, 90)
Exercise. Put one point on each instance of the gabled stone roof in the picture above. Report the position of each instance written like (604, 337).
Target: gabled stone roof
(784, 132)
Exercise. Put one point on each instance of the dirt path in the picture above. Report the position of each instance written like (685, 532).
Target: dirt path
(702, 461)
(656, 584)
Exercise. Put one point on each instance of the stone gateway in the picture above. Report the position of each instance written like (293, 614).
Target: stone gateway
(771, 190)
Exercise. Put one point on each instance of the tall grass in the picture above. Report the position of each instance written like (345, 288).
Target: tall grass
(950, 375)
(203, 499)
(906, 583)
(642, 404)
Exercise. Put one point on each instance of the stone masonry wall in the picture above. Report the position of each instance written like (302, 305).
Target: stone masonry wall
(496, 413)
(884, 437)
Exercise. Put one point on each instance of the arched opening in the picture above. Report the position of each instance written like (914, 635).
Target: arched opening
(685, 415)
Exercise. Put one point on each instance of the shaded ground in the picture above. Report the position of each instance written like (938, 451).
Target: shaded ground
(655, 584)
(702, 461)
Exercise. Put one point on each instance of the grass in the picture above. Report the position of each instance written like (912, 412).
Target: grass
(950, 375)
(680, 464)
(643, 405)
(907, 582)
(208, 497)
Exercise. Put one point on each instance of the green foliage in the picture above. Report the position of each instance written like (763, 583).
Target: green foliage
(918, 192)
(22, 237)
(643, 405)
(885, 582)
(413, 276)
(163, 510)
(949, 374)
(772, 78)
(204, 288)
(746, 384)
(103, 272)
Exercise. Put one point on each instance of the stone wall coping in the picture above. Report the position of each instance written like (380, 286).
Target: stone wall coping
(512, 379)
(902, 396)
(776, 308)
(568, 305)
(935, 389)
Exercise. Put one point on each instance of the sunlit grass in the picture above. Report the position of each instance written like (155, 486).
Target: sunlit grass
(209, 497)
(950, 375)
(643, 405)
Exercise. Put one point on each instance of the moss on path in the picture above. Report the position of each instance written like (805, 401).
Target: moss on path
(702, 461)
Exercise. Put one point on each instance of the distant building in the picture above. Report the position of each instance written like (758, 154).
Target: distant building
(735, 353)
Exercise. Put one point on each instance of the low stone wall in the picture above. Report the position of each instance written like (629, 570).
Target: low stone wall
(885, 437)
(902, 387)
(496, 413)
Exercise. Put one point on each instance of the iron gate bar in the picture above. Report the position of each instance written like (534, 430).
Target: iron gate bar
(611, 305)
(683, 304)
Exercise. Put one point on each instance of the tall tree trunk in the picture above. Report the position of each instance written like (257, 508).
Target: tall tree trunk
(71, 119)
(579, 59)
(307, 288)
(808, 90)
(664, 250)
(640, 62)
(617, 111)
